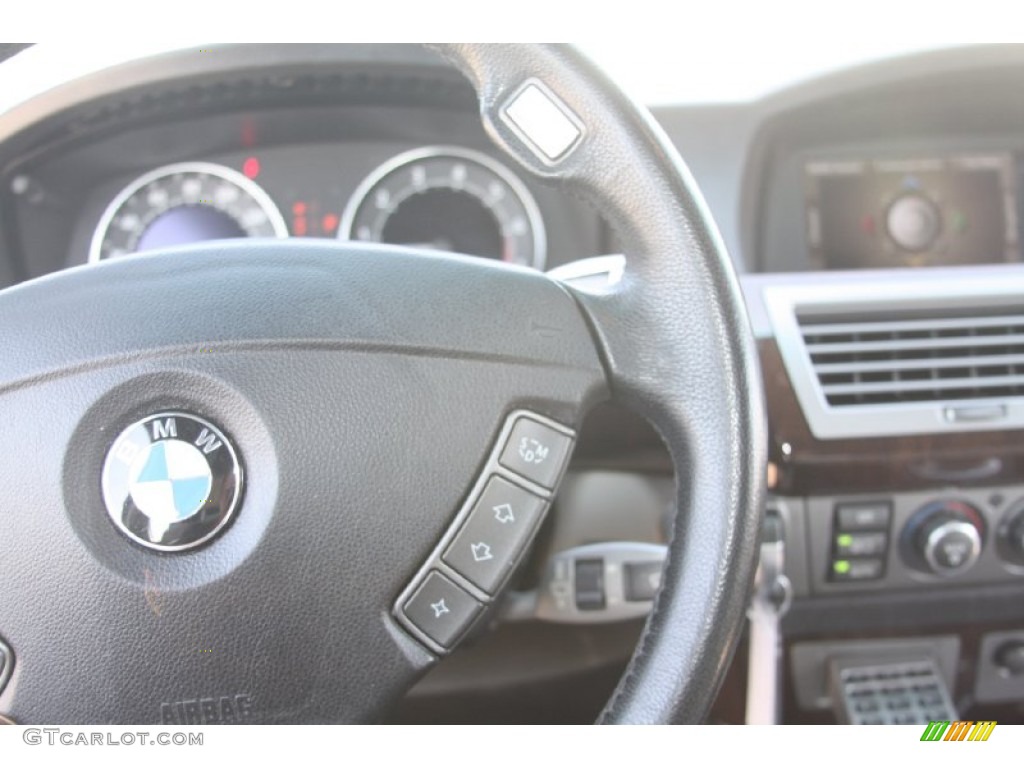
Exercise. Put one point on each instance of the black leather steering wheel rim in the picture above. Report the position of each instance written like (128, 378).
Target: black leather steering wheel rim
(672, 337)
(704, 398)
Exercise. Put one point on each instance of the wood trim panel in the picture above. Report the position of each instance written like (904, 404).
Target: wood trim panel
(806, 465)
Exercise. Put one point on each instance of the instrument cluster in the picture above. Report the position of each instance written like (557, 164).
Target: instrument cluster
(446, 198)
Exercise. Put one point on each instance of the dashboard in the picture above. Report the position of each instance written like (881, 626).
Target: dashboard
(874, 217)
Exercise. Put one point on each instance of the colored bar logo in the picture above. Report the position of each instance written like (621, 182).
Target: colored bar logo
(961, 730)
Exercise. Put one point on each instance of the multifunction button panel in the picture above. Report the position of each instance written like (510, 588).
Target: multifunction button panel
(491, 532)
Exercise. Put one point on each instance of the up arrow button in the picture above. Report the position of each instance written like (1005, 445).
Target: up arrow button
(495, 533)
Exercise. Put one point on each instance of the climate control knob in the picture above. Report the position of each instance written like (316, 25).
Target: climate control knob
(1010, 535)
(944, 538)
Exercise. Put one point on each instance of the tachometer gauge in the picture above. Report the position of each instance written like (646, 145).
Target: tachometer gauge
(449, 199)
(184, 203)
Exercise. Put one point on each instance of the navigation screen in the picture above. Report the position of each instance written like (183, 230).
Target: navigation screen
(919, 212)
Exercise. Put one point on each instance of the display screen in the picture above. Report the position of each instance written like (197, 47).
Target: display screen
(188, 224)
(914, 212)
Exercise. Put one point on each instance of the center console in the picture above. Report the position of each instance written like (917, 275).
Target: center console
(896, 401)
(914, 540)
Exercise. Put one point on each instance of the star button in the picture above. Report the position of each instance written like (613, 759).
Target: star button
(440, 609)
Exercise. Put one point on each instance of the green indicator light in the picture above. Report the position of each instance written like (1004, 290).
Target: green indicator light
(841, 566)
(844, 540)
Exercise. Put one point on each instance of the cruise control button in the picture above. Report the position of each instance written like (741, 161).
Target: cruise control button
(441, 609)
(536, 452)
(495, 533)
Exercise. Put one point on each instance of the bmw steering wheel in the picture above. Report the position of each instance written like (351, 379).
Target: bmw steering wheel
(265, 531)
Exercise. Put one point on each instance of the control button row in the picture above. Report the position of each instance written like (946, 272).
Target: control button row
(860, 541)
(489, 536)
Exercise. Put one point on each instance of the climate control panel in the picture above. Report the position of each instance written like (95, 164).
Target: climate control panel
(910, 540)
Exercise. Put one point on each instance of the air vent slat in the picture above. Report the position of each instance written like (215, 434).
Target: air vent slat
(923, 364)
(898, 345)
(988, 382)
(917, 356)
(968, 324)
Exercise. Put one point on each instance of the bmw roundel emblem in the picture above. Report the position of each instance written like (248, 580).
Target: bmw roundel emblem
(171, 481)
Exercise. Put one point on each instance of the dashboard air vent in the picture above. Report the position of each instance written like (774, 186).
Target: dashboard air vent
(898, 357)
(902, 352)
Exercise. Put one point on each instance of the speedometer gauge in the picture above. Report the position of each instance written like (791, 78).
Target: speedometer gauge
(184, 203)
(449, 199)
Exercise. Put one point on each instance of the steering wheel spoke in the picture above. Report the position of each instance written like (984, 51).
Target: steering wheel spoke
(359, 413)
